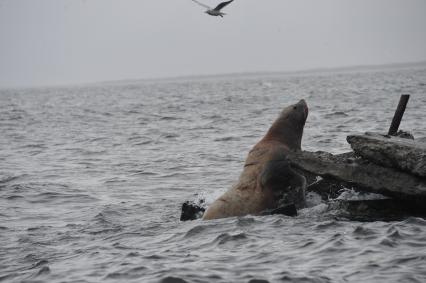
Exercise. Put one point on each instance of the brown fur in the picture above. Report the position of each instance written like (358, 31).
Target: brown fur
(250, 196)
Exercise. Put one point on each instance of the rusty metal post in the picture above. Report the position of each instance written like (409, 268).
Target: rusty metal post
(396, 121)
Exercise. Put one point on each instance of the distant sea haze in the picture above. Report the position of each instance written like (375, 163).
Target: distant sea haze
(92, 178)
(213, 76)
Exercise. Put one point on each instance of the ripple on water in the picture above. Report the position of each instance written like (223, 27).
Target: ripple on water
(171, 279)
(362, 232)
(7, 277)
(14, 197)
(43, 271)
(7, 179)
(327, 225)
(409, 260)
(200, 230)
(393, 233)
(227, 138)
(226, 238)
(336, 114)
(40, 263)
(258, 281)
(286, 276)
(128, 273)
(133, 254)
(415, 220)
(246, 221)
(48, 197)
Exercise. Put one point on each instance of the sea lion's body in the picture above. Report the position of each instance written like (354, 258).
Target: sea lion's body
(267, 174)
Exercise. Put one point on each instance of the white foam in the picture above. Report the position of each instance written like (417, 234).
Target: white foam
(313, 199)
(351, 194)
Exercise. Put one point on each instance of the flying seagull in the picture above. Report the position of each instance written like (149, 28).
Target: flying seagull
(216, 11)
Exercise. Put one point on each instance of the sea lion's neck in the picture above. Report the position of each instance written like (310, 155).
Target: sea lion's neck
(286, 132)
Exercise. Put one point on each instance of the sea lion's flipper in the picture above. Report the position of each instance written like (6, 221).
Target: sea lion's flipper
(278, 176)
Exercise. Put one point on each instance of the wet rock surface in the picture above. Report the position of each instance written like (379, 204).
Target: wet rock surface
(351, 171)
(288, 210)
(191, 210)
(394, 152)
(376, 209)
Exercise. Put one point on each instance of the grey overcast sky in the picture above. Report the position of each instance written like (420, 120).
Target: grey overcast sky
(48, 42)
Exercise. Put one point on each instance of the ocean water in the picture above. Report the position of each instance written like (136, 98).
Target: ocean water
(92, 178)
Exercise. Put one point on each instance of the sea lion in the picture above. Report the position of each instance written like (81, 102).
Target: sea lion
(267, 180)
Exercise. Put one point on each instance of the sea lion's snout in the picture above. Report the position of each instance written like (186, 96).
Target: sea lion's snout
(304, 105)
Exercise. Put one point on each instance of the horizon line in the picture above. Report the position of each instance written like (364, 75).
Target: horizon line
(347, 68)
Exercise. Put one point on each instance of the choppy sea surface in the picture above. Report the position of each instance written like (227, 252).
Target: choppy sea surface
(92, 178)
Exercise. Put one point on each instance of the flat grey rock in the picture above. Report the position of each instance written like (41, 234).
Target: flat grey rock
(361, 174)
(395, 152)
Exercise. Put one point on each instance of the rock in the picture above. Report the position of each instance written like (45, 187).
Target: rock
(377, 210)
(289, 210)
(191, 211)
(325, 187)
(352, 172)
(395, 152)
(404, 135)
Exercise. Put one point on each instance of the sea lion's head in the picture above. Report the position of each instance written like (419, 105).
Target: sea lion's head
(288, 128)
(296, 113)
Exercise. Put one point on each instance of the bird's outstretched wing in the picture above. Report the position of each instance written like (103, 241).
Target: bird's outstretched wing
(201, 4)
(222, 5)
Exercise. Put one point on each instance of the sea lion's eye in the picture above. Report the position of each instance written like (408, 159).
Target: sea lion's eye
(294, 107)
